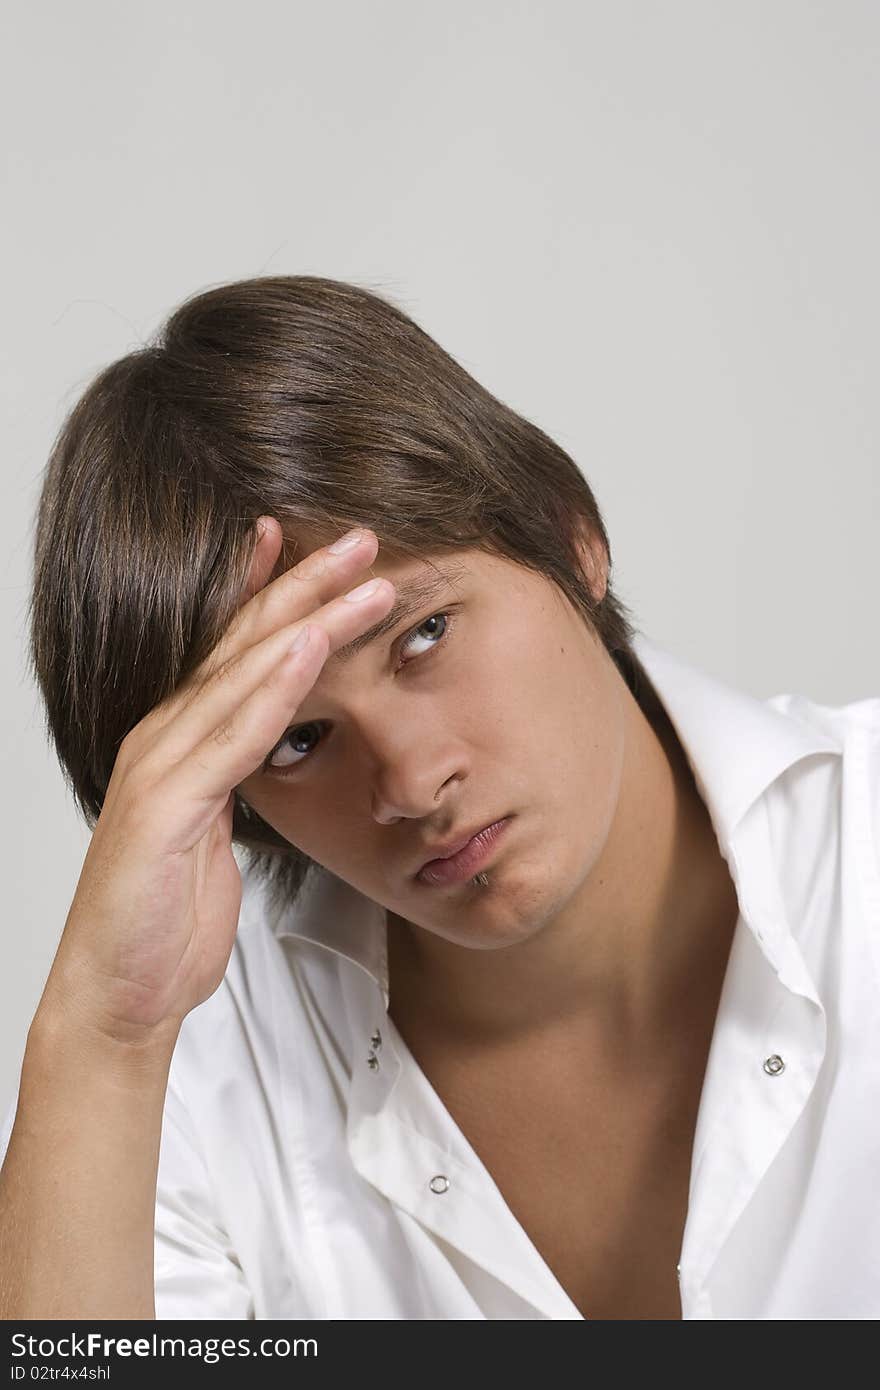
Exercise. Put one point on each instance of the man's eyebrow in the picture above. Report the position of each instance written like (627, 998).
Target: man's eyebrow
(413, 595)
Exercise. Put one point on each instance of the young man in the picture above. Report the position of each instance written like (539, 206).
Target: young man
(607, 1060)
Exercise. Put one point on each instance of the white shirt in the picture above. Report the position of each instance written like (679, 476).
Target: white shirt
(308, 1169)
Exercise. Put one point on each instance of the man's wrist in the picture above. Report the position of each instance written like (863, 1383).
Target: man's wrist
(66, 1030)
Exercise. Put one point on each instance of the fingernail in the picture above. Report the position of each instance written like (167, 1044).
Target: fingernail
(363, 591)
(346, 542)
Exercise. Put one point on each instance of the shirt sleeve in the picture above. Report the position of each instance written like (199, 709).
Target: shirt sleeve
(197, 1274)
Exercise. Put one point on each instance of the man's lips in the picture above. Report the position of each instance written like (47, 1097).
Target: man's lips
(446, 851)
(461, 854)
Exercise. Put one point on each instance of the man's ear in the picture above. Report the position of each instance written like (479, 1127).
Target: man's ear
(593, 559)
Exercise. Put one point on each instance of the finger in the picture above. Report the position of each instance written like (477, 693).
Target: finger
(213, 721)
(295, 594)
(265, 557)
(315, 580)
(197, 790)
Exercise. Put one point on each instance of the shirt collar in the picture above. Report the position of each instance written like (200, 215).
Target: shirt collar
(736, 745)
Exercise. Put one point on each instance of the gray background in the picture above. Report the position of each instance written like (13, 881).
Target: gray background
(652, 228)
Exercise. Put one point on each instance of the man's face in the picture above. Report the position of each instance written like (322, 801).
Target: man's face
(492, 701)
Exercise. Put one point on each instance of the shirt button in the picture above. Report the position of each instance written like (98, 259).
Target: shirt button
(373, 1062)
(774, 1065)
(439, 1183)
(376, 1039)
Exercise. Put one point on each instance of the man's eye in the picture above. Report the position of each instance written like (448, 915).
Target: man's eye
(298, 736)
(437, 640)
(300, 733)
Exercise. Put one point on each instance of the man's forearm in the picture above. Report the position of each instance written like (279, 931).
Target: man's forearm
(78, 1184)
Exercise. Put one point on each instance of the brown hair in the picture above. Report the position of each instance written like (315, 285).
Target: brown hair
(312, 400)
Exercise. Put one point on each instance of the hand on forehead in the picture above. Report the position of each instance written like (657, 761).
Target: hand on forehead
(268, 553)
